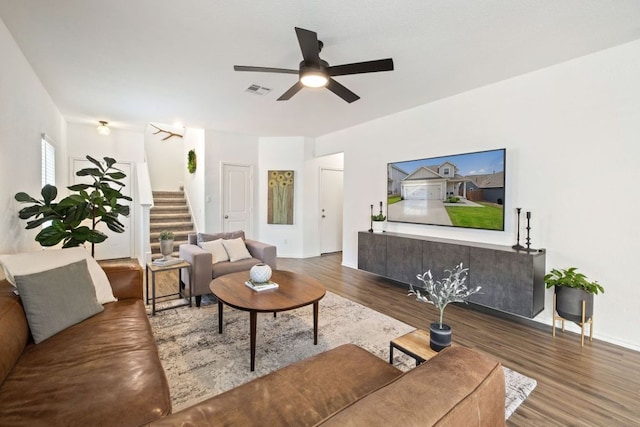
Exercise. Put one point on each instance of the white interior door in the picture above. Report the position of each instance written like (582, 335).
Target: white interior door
(117, 245)
(331, 190)
(237, 198)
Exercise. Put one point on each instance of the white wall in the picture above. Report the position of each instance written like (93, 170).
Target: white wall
(562, 127)
(296, 153)
(286, 153)
(122, 145)
(26, 111)
(194, 183)
(166, 159)
(228, 148)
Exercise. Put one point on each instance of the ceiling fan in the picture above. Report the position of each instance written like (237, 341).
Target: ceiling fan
(315, 72)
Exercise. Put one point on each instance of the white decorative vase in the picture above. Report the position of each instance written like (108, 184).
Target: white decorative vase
(166, 248)
(260, 273)
(377, 226)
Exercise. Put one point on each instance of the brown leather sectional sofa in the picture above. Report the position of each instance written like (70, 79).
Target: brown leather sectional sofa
(348, 386)
(105, 371)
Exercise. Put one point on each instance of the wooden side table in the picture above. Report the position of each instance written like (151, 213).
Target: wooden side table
(414, 344)
(152, 270)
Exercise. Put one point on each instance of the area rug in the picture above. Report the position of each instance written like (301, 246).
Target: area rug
(200, 363)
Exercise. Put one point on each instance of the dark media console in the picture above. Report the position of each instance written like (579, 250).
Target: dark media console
(511, 280)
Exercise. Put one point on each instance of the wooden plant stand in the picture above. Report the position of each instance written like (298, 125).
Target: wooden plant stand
(583, 322)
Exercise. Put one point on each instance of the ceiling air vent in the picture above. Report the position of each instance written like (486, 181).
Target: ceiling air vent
(258, 90)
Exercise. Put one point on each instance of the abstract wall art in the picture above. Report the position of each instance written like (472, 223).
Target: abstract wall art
(280, 196)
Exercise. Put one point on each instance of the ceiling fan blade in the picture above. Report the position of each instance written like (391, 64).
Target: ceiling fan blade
(264, 69)
(308, 45)
(361, 67)
(342, 91)
(292, 91)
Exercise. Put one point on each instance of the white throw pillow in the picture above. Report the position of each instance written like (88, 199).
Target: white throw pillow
(236, 249)
(217, 250)
(34, 262)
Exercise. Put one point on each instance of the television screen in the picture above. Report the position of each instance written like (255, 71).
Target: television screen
(461, 190)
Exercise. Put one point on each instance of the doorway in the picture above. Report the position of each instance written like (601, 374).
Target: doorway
(331, 205)
(237, 198)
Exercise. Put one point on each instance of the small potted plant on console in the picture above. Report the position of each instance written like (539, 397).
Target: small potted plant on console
(440, 293)
(377, 222)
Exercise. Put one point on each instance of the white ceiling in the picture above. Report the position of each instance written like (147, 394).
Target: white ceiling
(132, 62)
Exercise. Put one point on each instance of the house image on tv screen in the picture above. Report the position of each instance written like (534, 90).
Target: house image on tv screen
(432, 191)
(441, 181)
(489, 187)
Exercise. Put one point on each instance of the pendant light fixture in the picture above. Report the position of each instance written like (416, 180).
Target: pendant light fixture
(103, 129)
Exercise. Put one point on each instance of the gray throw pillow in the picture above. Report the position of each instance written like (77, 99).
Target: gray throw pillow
(55, 299)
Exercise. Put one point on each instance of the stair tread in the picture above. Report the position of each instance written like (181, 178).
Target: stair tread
(170, 212)
(176, 200)
(167, 193)
(179, 234)
(169, 207)
(169, 215)
(172, 226)
(182, 212)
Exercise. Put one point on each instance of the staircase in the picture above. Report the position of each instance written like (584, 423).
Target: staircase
(170, 212)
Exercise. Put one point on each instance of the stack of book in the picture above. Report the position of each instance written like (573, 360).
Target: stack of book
(161, 262)
(259, 287)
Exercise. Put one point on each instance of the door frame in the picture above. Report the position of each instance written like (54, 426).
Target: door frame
(248, 233)
(320, 190)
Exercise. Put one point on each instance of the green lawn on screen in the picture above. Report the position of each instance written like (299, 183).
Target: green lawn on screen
(488, 217)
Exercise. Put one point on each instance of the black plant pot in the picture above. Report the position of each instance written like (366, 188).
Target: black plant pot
(569, 303)
(439, 338)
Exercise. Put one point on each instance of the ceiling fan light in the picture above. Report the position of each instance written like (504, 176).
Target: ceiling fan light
(103, 129)
(314, 79)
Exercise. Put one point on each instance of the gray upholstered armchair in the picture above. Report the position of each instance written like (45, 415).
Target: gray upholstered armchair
(202, 268)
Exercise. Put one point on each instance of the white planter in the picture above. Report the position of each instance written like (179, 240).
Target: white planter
(166, 248)
(377, 226)
(260, 273)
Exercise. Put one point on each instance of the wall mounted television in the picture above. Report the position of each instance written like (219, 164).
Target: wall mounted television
(460, 190)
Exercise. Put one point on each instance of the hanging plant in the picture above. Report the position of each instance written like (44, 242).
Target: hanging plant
(191, 161)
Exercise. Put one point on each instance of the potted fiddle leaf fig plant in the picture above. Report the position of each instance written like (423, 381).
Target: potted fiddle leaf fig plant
(441, 293)
(66, 221)
(571, 289)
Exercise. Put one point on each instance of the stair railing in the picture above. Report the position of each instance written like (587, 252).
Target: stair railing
(145, 198)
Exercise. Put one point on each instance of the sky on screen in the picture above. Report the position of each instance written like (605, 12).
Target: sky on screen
(483, 162)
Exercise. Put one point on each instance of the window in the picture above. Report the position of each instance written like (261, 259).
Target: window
(48, 155)
(445, 171)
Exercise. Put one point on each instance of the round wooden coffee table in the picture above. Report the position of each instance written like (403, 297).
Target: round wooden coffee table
(295, 290)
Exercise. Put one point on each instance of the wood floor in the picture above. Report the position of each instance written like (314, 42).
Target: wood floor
(594, 385)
